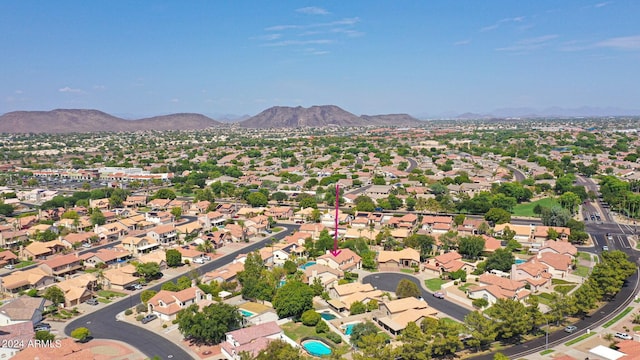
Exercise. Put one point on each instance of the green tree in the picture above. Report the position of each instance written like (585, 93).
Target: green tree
(362, 329)
(148, 270)
(173, 257)
(501, 259)
(500, 356)
(209, 325)
(310, 317)
(44, 335)
(146, 295)
(357, 307)
(252, 280)
(80, 334)
(54, 294)
(512, 319)
(293, 299)
(97, 217)
(471, 246)
(257, 199)
(498, 216)
(176, 211)
(422, 243)
(407, 288)
(364, 203)
(277, 350)
(290, 267)
(165, 194)
(416, 345)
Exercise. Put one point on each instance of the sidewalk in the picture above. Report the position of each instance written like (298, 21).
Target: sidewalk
(581, 349)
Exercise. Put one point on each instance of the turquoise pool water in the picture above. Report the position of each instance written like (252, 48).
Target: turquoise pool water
(316, 348)
(348, 329)
(520, 261)
(246, 313)
(305, 266)
(327, 316)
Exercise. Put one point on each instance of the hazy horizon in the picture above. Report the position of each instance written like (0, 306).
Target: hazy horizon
(367, 57)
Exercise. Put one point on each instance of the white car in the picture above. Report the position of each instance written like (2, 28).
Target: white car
(623, 336)
(198, 260)
(86, 245)
(206, 258)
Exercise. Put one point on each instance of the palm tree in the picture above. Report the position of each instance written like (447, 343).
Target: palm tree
(206, 246)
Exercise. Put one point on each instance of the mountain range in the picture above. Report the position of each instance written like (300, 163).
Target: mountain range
(83, 120)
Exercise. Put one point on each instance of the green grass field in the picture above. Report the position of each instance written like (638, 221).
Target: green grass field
(526, 209)
(434, 284)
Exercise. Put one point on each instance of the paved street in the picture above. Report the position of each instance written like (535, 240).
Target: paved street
(103, 323)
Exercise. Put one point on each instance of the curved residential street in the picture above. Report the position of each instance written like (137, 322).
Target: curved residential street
(103, 323)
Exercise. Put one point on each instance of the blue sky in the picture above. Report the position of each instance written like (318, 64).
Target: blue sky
(368, 57)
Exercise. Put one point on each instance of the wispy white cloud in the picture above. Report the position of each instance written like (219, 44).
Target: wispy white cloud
(267, 37)
(602, 4)
(299, 42)
(496, 25)
(621, 43)
(529, 44)
(19, 92)
(313, 10)
(99, 87)
(345, 21)
(462, 42)
(67, 89)
(175, 100)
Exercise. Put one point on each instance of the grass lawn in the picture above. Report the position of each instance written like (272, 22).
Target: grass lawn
(564, 289)
(434, 284)
(584, 256)
(548, 351)
(464, 287)
(618, 317)
(579, 338)
(543, 298)
(297, 331)
(526, 209)
(581, 271)
(555, 281)
(408, 271)
(25, 263)
(109, 293)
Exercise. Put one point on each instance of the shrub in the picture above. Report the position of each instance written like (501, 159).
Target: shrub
(139, 317)
(164, 326)
(32, 292)
(128, 312)
(322, 327)
(480, 303)
(140, 308)
(334, 337)
(310, 318)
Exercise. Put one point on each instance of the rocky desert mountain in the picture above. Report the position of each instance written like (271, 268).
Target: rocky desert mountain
(82, 121)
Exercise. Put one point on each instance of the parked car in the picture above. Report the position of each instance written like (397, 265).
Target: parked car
(439, 294)
(206, 258)
(86, 245)
(623, 336)
(570, 329)
(605, 248)
(93, 301)
(198, 260)
(42, 327)
(149, 318)
(9, 266)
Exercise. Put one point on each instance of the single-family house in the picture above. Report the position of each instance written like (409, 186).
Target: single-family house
(24, 309)
(397, 314)
(252, 340)
(346, 260)
(397, 260)
(493, 287)
(166, 304)
(163, 234)
(62, 265)
(34, 278)
(78, 289)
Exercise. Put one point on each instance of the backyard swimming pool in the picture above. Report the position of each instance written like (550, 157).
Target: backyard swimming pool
(305, 266)
(348, 328)
(316, 348)
(246, 313)
(327, 316)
